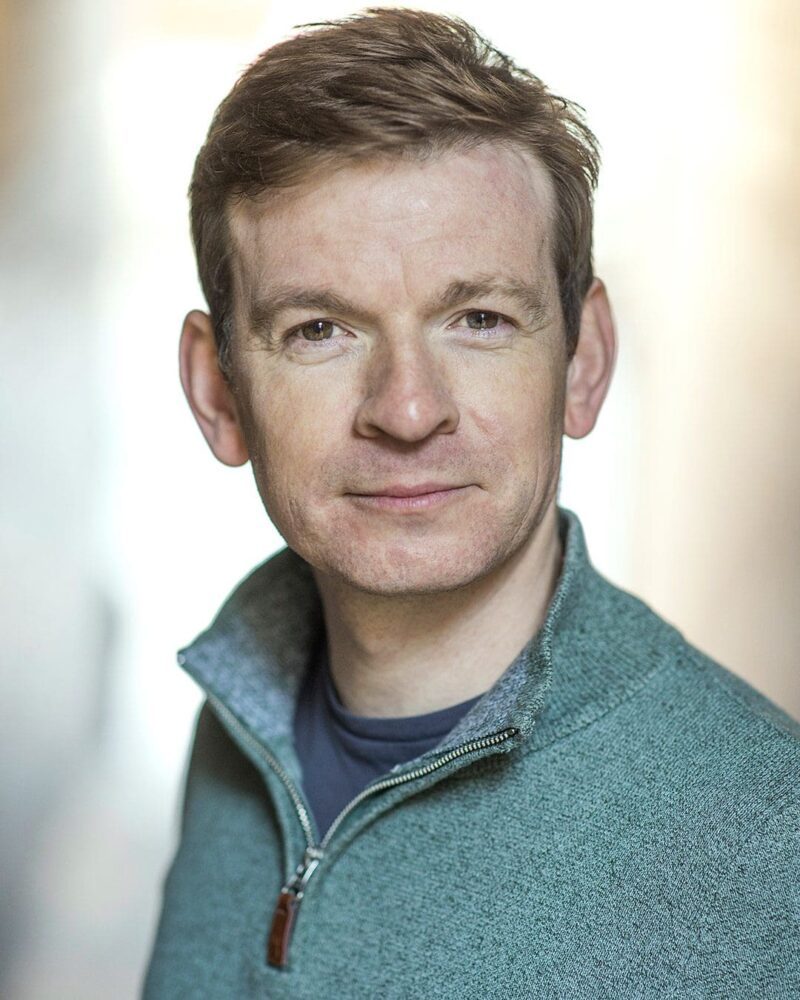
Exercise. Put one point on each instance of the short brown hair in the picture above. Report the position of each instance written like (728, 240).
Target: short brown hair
(385, 82)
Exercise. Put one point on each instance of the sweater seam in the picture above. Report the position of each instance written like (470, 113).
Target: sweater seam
(701, 661)
(629, 695)
(774, 810)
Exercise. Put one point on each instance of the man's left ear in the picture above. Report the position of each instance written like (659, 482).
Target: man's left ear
(589, 371)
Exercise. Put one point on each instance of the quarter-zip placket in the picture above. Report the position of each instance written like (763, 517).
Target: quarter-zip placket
(293, 891)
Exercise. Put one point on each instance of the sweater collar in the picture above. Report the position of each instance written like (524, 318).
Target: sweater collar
(586, 657)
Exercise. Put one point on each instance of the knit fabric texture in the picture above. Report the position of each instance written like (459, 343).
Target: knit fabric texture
(617, 817)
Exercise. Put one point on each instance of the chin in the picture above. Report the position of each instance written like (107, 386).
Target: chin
(395, 569)
(411, 557)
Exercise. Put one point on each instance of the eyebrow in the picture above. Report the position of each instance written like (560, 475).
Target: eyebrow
(263, 311)
(530, 296)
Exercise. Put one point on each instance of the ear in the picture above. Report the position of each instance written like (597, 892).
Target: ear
(589, 371)
(210, 397)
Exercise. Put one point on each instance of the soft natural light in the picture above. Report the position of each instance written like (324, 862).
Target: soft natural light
(688, 224)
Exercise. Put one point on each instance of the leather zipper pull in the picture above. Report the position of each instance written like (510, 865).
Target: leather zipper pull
(289, 899)
(280, 933)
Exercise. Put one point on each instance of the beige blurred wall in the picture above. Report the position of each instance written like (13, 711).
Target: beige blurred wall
(717, 537)
(56, 616)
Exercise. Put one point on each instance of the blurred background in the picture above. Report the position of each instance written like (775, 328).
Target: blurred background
(121, 535)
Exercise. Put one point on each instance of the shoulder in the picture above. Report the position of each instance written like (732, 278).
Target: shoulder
(742, 700)
(694, 720)
(717, 738)
(634, 633)
(755, 744)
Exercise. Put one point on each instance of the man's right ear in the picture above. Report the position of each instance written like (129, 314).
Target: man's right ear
(210, 397)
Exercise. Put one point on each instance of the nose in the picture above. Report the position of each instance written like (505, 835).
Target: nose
(406, 395)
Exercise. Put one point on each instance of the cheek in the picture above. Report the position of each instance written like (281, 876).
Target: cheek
(519, 416)
(292, 427)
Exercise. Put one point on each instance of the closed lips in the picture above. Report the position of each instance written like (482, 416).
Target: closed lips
(410, 491)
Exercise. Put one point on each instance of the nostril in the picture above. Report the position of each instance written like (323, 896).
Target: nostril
(408, 405)
(407, 419)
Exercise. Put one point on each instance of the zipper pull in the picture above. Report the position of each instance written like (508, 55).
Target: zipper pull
(289, 899)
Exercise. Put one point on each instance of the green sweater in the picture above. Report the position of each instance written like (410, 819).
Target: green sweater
(617, 817)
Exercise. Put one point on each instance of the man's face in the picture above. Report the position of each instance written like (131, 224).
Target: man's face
(419, 341)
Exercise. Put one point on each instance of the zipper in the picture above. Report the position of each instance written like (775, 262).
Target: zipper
(293, 891)
(289, 899)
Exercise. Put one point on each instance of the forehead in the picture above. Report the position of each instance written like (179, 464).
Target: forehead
(399, 226)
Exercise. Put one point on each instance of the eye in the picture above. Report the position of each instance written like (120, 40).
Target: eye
(482, 320)
(315, 332)
(317, 329)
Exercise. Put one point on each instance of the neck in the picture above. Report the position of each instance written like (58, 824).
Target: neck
(398, 656)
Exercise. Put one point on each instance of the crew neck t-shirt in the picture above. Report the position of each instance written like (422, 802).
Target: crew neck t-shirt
(341, 753)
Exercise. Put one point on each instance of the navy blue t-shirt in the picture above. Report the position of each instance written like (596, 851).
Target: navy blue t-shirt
(340, 753)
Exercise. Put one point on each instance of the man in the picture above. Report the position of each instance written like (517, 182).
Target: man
(440, 755)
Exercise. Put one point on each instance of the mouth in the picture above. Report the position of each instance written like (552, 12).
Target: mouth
(400, 498)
